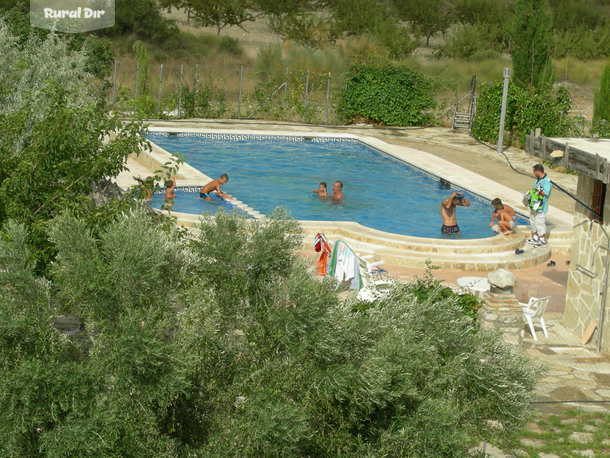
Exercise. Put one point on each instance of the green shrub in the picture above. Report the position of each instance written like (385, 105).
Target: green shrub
(582, 43)
(389, 95)
(601, 112)
(45, 167)
(396, 39)
(527, 109)
(471, 41)
(229, 45)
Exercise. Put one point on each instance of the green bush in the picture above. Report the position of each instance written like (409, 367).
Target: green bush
(527, 109)
(601, 111)
(472, 41)
(224, 345)
(428, 289)
(396, 39)
(390, 95)
(229, 45)
(45, 167)
(582, 43)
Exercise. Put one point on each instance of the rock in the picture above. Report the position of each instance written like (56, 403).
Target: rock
(501, 278)
(548, 455)
(556, 154)
(490, 450)
(590, 428)
(583, 438)
(534, 427)
(104, 191)
(587, 452)
(536, 443)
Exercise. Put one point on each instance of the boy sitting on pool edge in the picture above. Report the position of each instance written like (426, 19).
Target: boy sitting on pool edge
(505, 216)
(214, 186)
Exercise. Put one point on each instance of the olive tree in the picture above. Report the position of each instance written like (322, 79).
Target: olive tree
(223, 344)
(57, 138)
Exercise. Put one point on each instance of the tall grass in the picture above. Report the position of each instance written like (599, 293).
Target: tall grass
(216, 63)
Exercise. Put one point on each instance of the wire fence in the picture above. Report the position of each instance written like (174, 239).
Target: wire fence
(230, 91)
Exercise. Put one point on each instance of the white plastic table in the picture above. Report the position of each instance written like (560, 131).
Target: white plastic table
(475, 285)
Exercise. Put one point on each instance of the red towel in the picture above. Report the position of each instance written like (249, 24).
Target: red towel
(321, 245)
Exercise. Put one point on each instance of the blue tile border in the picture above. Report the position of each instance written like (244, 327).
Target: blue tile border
(256, 137)
(190, 189)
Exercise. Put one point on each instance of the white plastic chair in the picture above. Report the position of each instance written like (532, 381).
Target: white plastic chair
(534, 309)
(375, 285)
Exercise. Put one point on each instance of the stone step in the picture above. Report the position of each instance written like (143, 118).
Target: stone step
(431, 246)
(458, 261)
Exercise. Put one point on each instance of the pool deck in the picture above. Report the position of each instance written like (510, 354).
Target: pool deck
(480, 254)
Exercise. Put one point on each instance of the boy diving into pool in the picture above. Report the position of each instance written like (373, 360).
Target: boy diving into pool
(214, 186)
(448, 213)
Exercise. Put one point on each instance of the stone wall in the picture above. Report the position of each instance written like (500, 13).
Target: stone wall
(588, 263)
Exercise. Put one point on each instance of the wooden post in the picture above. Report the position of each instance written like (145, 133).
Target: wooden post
(543, 147)
(328, 86)
(306, 88)
(137, 89)
(160, 89)
(180, 90)
(566, 156)
(241, 84)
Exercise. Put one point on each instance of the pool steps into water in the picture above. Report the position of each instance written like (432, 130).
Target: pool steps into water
(481, 255)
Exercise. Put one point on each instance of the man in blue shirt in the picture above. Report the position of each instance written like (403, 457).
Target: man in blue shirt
(539, 206)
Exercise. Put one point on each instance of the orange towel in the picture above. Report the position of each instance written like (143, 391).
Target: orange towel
(322, 246)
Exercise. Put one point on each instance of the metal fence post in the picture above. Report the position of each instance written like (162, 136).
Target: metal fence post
(500, 146)
(241, 84)
(160, 89)
(328, 98)
(136, 88)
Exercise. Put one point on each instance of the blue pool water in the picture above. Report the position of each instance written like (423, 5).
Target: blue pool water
(188, 201)
(380, 192)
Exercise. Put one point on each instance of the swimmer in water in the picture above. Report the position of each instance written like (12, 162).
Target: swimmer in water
(448, 212)
(338, 192)
(322, 191)
(170, 194)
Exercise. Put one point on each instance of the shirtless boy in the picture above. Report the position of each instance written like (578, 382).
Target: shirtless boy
(214, 186)
(448, 213)
(505, 215)
(338, 191)
(322, 191)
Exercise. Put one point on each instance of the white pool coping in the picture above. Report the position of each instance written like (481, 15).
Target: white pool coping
(430, 163)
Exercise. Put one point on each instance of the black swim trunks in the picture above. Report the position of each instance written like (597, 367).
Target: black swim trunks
(450, 229)
(204, 195)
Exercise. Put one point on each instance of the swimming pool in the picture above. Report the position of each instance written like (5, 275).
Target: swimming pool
(380, 191)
